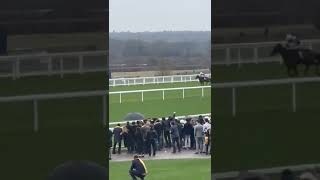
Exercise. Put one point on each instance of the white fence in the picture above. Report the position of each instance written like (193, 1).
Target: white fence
(292, 81)
(54, 63)
(163, 91)
(96, 61)
(243, 53)
(177, 117)
(36, 98)
(152, 80)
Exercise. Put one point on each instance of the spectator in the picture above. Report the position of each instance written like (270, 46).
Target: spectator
(138, 168)
(175, 137)
(117, 131)
(198, 133)
(159, 130)
(151, 140)
(139, 140)
(166, 126)
(144, 130)
(187, 131)
(207, 141)
(130, 138)
(207, 125)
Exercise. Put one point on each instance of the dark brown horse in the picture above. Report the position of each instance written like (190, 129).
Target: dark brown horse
(293, 57)
(203, 80)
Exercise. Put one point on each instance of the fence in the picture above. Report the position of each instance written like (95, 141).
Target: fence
(177, 117)
(163, 91)
(38, 97)
(243, 53)
(96, 61)
(152, 80)
(293, 82)
(53, 63)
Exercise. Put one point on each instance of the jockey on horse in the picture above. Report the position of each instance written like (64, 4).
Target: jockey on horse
(204, 76)
(293, 43)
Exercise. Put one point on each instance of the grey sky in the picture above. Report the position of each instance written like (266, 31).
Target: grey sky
(159, 15)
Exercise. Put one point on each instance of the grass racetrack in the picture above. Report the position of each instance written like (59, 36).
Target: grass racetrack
(69, 129)
(190, 169)
(265, 132)
(154, 106)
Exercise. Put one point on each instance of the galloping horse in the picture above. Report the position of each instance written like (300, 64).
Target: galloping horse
(203, 80)
(292, 58)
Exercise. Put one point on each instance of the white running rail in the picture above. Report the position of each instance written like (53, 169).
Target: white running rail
(152, 80)
(96, 61)
(177, 117)
(163, 91)
(102, 93)
(244, 53)
(53, 64)
(290, 81)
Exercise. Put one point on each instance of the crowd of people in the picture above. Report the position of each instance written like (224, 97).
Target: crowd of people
(152, 135)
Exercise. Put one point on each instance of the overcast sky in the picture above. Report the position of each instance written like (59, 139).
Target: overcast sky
(159, 15)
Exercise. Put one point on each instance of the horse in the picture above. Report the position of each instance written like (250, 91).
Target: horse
(293, 57)
(203, 80)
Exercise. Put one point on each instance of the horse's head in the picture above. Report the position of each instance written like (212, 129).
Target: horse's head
(277, 49)
(197, 76)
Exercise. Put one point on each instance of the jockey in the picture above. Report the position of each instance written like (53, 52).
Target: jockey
(292, 43)
(202, 74)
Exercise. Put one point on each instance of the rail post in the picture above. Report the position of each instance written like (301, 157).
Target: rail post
(35, 116)
(294, 103)
(234, 110)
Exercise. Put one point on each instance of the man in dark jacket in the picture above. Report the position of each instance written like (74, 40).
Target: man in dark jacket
(175, 136)
(151, 140)
(187, 130)
(117, 131)
(130, 136)
(159, 129)
(138, 168)
(166, 126)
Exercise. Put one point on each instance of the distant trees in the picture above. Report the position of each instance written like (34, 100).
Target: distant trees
(136, 48)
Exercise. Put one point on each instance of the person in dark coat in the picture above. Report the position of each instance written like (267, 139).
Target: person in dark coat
(133, 134)
(151, 140)
(117, 131)
(139, 141)
(166, 126)
(138, 168)
(175, 137)
(144, 130)
(130, 136)
(187, 131)
(180, 127)
(159, 130)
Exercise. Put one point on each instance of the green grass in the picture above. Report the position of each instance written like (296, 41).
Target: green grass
(69, 129)
(153, 86)
(165, 169)
(154, 106)
(265, 132)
